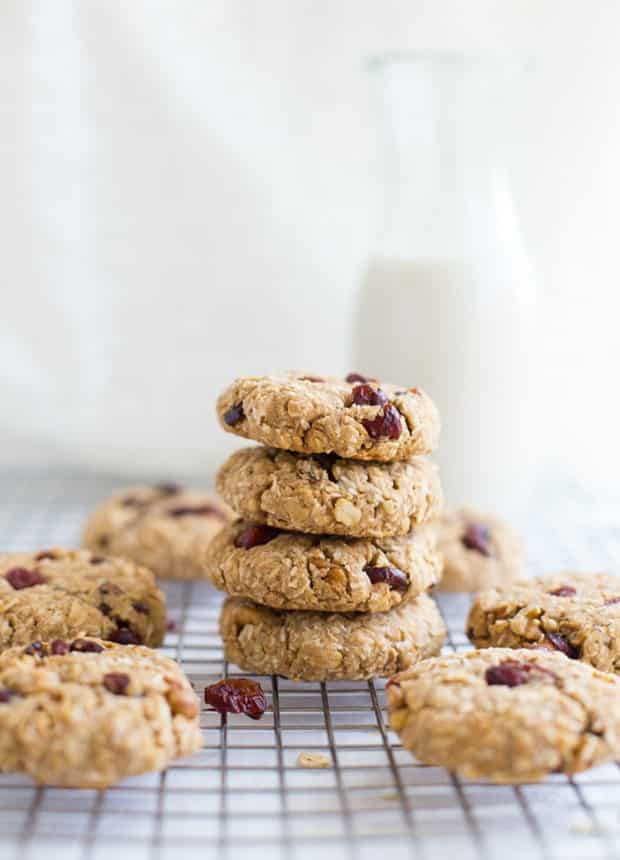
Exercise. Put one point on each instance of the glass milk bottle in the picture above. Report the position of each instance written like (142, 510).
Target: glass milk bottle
(447, 302)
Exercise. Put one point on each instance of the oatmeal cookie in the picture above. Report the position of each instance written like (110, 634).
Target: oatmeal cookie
(508, 716)
(63, 593)
(357, 418)
(289, 570)
(479, 551)
(314, 646)
(578, 614)
(165, 528)
(323, 494)
(85, 713)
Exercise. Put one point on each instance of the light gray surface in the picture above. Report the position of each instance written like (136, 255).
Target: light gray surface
(243, 795)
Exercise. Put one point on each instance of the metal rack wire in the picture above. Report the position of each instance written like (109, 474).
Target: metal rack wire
(244, 792)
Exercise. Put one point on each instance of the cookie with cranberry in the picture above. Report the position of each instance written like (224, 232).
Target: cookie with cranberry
(479, 551)
(357, 417)
(165, 528)
(507, 716)
(84, 713)
(63, 593)
(323, 494)
(577, 614)
(289, 570)
(315, 646)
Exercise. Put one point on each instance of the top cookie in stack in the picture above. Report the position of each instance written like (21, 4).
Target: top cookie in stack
(344, 476)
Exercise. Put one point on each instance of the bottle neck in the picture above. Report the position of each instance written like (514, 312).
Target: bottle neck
(443, 167)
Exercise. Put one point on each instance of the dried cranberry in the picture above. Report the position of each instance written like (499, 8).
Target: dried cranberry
(41, 556)
(168, 488)
(59, 647)
(116, 682)
(6, 695)
(21, 577)
(125, 636)
(564, 591)
(194, 511)
(234, 415)
(477, 537)
(366, 395)
(86, 646)
(35, 648)
(312, 379)
(97, 559)
(255, 535)
(132, 502)
(513, 673)
(237, 696)
(611, 600)
(395, 578)
(386, 425)
(561, 643)
(142, 608)
(110, 588)
(356, 377)
(171, 625)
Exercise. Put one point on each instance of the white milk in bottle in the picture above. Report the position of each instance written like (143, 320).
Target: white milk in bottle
(447, 303)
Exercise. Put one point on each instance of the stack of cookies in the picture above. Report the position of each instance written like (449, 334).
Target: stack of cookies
(328, 566)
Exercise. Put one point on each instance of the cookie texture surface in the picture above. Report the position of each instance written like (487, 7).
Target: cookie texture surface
(508, 716)
(363, 420)
(86, 713)
(165, 528)
(479, 551)
(577, 614)
(289, 570)
(312, 646)
(60, 593)
(324, 494)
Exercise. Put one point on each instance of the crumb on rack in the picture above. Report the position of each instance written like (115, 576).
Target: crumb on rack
(313, 760)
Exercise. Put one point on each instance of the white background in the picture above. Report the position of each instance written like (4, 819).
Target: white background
(189, 193)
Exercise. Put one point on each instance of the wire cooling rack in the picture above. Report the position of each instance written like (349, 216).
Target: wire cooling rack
(245, 796)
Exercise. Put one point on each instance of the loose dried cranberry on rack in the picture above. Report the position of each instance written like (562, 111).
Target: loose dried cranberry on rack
(367, 395)
(86, 646)
(255, 535)
(21, 577)
(237, 696)
(234, 415)
(563, 591)
(561, 643)
(477, 538)
(387, 424)
(116, 682)
(395, 578)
